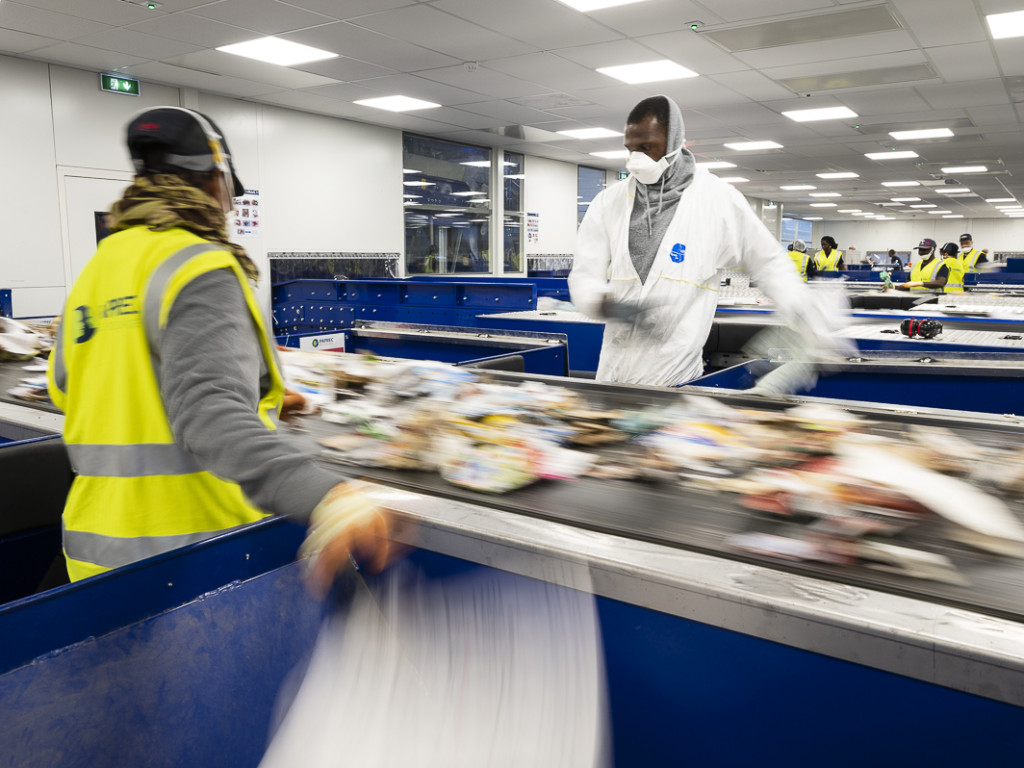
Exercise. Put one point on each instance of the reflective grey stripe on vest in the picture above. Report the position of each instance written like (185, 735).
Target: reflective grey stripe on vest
(131, 460)
(155, 293)
(115, 551)
(60, 371)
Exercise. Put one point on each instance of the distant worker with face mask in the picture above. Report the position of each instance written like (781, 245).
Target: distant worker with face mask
(802, 260)
(650, 249)
(929, 272)
(829, 258)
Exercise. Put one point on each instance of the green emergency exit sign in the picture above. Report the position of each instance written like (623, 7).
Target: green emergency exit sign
(119, 84)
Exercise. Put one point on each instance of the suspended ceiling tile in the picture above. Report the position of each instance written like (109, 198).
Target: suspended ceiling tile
(111, 12)
(481, 138)
(696, 92)
(749, 114)
(22, 42)
(192, 29)
(348, 9)
(1010, 54)
(755, 86)
(484, 81)
(656, 16)
(879, 102)
(588, 113)
(462, 118)
(221, 63)
(409, 121)
(421, 88)
(310, 102)
(607, 54)
(691, 50)
(508, 112)
(442, 32)
(344, 68)
(547, 67)
(85, 57)
(954, 23)
(35, 21)
(827, 66)
(831, 51)
(744, 10)
(619, 99)
(970, 61)
(983, 93)
(171, 75)
(355, 42)
(346, 92)
(268, 17)
(138, 44)
(541, 23)
(992, 117)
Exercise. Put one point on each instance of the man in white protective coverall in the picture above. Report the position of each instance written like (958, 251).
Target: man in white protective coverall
(649, 251)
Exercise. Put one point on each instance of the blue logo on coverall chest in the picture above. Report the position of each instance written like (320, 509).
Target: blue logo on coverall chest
(678, 253)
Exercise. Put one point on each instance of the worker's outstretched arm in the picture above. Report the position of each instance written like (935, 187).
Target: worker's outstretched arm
(588, 281)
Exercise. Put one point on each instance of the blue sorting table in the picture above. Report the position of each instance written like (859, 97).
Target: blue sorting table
(536, 352)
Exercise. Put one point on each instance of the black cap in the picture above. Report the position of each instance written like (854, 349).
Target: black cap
(190, 141)
(950, 248)
(966, 236)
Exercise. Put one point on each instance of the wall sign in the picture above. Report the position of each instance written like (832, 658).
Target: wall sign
(119, 84)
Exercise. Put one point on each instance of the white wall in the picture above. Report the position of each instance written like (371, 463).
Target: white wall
(549, 190)
(994, 234)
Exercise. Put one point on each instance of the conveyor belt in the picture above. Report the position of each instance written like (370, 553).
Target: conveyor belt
(702, 521)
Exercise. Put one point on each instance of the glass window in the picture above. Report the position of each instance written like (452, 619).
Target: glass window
(447, 206)
(589, 181)
(512, 231)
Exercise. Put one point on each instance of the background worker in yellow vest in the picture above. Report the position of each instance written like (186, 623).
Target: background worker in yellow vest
(829, 258)
(970, 256)
(802, 260)
(169, 379)
(929, 273)
(950, 255)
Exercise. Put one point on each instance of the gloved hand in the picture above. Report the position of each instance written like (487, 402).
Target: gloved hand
(907, 286)
(348, 521)
(787, 379)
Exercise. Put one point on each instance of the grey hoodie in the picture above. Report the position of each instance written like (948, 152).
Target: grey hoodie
(655, 204)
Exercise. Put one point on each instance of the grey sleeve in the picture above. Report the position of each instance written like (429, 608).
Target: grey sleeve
(210, 367)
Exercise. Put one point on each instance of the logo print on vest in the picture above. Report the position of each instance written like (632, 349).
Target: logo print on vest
(678, 253)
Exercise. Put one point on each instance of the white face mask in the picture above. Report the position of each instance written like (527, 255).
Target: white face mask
(646, 170)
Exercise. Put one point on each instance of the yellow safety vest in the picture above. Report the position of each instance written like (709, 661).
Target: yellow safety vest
(969, 259)
(924, 272)
(800, 261)
(828, 263)
(138, 493)
(955, 281)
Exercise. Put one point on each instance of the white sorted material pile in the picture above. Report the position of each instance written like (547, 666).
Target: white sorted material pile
(492, 670)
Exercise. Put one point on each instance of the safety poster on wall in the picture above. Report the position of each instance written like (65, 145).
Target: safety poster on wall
(533, 227)
(246, 216)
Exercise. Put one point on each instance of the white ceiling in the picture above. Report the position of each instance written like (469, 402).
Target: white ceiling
(499, 63)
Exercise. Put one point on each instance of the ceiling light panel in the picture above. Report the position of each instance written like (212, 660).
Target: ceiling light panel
(590, 133)
(924, 205)
(735, 179)
(274, 50)
(797, 187)
(824, 194)
(840, 175)
(613, 154)
(1000, 200)
(823, 205)
(926, 133)
(859, 79)
(814, 115)
(901, 184)
(966, 169)
(905, 199)
(750, 146)
(397, 103)
(648, 72)
(811, 29)
(586, 6)
(902, 155)
(716, 164)
(1004, 25)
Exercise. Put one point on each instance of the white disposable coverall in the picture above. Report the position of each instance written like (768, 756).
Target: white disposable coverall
(719, 231)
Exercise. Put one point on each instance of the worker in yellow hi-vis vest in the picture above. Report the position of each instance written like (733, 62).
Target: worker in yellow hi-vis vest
(829, 258)
(802, 260)
(970, 256)
(929, 273)
(168, 377)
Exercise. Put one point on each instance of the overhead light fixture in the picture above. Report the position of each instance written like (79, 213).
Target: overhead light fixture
(849, 210)
(812, 218)
(954, 216)
(841, 175)
(890, 205)
(905, 155)
(613, 154)
(274, 50)
(827, 113)
(1000, 200)
(1004, 25)
(397, 103)
(411, 197)
(823, 205)
(926, 133)
(824, 194)
(469, 194)
(953, 191)
(586, 6)
(1011, 207)
(410, 170)
(924, 205)
(797, 187)
(515, 175)
(734, 179)
(965, 169)
(901, 184)
(905, 200)
(419, 184)
(590, 133)
(747, 146)
(938, 213)
(716, 164)
(648, 72)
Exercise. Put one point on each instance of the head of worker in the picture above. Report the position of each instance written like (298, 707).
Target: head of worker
(966, 242)
(949, 251)
(926, 248)
(186, 144)
(656, 140)
(799, 246)
(828, 244)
